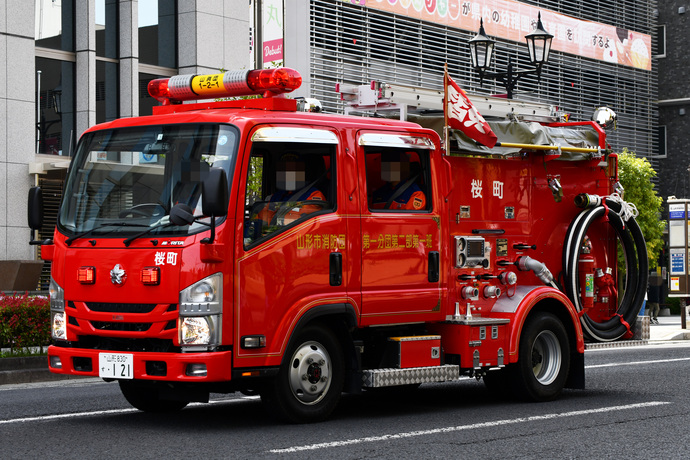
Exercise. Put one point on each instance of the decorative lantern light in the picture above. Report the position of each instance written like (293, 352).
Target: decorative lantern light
(481, 49)
(539, 45)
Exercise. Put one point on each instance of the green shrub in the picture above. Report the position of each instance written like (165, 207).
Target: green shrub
(673, 303)
(24, 322)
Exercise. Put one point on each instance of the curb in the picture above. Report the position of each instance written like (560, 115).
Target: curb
(28, 369)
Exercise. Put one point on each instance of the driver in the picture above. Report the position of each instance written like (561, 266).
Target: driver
(284, 206)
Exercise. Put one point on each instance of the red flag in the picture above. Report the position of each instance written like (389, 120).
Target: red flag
(463, 116)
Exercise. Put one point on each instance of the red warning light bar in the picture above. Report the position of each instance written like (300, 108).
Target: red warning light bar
(86, 275)
(267, 82)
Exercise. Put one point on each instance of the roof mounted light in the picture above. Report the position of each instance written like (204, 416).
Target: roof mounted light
(233, 83)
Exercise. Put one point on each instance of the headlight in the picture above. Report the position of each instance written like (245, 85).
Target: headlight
(57, 296)
(196, 330)
(201, 308)
(58, 325)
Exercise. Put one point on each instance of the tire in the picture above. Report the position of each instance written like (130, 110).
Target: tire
(543, 359)
(310, 380)
(147, 398)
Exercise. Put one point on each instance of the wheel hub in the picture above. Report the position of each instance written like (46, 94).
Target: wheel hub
(314, 373)
(310, 373)
(546, 357)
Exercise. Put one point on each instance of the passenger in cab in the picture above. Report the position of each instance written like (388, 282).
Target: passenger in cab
(400, 190)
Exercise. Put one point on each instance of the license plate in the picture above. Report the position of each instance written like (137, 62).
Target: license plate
(115, 365)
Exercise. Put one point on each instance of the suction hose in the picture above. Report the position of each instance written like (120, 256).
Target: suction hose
(621, 217)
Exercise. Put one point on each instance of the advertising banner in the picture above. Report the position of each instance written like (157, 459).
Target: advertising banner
(512, 20)
(272, 33)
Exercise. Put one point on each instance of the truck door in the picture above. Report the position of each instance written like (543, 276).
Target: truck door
(400, 229)
(292, 244)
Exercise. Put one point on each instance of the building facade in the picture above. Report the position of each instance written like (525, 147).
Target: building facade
(673, 20)
(603, 57)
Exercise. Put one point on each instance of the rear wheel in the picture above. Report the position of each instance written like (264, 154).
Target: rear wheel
(147, 398)
(544, 359)
(310, 380)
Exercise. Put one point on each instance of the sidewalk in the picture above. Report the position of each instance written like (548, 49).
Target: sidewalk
(668, 329)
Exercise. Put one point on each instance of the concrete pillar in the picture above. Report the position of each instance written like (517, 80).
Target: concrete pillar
(212, 35)
(85, 41)
(17, 124)
(129, 58)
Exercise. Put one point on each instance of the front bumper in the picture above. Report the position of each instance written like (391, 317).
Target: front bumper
(147, 365)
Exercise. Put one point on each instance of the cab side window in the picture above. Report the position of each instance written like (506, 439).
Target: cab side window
(287, 183)
(397, 180)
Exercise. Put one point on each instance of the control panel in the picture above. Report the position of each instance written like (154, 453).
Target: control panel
(469, 252)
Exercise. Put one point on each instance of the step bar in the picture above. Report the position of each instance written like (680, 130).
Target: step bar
(379, 378)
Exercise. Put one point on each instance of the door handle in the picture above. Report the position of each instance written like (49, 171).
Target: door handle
(336, 268)
(433, 266)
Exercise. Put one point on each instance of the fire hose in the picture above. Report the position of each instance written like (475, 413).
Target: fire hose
(620, 216)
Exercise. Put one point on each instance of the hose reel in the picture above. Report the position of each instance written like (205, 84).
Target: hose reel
(620, 216)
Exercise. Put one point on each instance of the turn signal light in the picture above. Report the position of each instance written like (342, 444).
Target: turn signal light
(267, 82)
(86, 275)
(151, 276)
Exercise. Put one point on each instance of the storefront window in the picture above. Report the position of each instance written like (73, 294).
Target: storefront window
(158, 32)
(55, 24)
(55, 110)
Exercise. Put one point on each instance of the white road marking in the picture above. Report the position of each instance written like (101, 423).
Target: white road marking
(451, 429)
(637, 363)
(43, 418)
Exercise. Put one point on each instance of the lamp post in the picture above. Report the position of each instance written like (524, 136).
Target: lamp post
(482, 48)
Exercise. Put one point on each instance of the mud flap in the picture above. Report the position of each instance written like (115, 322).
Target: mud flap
(576, 376)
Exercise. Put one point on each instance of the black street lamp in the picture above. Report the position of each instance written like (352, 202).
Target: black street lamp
(482, 47)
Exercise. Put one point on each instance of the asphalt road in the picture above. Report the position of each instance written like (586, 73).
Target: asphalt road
(637, 405)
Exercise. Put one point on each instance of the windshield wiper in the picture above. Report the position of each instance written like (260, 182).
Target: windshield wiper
(163, 222)
(72, 239)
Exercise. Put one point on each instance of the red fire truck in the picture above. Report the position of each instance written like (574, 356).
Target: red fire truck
(244, 245)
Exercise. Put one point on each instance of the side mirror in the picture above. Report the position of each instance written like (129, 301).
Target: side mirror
(214, 193)
(181, 214)
(35, 209)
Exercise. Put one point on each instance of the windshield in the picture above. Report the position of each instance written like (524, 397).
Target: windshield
(125, 180)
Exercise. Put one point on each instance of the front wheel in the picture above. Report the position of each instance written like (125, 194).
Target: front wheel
(147, 399)
(544, 359)
(310, 380)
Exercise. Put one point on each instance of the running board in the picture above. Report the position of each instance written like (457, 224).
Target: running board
(377, 378)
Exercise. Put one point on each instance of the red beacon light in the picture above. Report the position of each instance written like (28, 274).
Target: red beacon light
(233, 83)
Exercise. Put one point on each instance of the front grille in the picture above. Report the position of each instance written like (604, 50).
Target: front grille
(128, 327)
(92, 342)
(121, 307)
